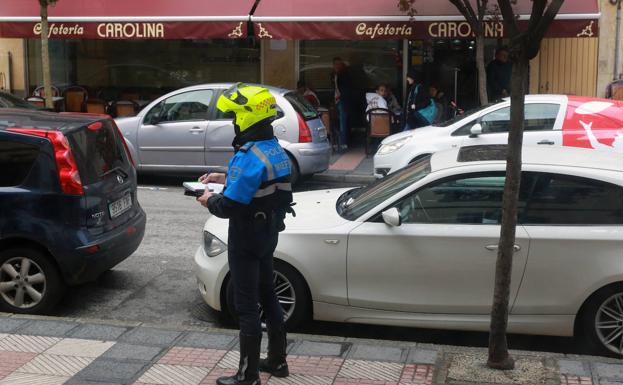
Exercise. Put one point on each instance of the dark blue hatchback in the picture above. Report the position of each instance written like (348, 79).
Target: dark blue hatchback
(68, 205)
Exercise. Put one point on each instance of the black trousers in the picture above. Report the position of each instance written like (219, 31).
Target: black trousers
(250, 257)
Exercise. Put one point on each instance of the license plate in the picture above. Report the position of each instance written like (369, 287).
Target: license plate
(120, 206)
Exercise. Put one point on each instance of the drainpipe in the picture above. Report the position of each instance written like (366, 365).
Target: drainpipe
(617, 49)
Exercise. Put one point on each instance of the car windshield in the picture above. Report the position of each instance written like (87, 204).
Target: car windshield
(8, 100)
(464, 115)
(356, 202)
(302, 106)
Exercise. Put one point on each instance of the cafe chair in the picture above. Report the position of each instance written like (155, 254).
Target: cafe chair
(95, 106)
(75, 97)
(379, 125)
(39, 91)
(615, 90)
(120, 108)
(131, 96)
(325, 117)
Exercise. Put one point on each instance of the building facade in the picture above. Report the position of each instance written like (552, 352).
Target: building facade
(125, 47)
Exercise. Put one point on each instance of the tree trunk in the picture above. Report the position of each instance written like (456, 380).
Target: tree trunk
(482, 70)
(498, 347)
(45, 59)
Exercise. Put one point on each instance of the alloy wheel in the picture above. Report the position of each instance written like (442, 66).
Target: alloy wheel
(609, 323)
(285, 295)
(22, 282)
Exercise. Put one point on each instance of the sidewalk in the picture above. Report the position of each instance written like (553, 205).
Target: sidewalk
(352, 166)
(46, 350)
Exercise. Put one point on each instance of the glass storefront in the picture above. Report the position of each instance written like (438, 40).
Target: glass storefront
(149, 68)
(371, 63)
(440, 60)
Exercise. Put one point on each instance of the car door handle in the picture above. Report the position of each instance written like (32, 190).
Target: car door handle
(495, 247)
(196, 129)
(548, 142)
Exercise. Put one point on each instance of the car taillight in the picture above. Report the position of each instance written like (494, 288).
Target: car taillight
(125, 145)
(305, 135)
(68, 174)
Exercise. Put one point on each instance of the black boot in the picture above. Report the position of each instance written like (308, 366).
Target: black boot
(248, 373)
(275, 363)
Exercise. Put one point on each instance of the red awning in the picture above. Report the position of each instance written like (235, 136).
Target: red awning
(128, 19)
(381, 19)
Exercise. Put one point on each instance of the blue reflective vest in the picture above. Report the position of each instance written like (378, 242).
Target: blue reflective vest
(255, 171)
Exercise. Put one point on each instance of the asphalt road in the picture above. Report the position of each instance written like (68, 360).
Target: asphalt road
(156, 284)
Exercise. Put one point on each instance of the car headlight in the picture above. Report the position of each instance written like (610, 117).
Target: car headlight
(212, 245)
(390, 147)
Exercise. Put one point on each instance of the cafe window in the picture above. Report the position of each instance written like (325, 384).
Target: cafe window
(370, 63)
(146, 69)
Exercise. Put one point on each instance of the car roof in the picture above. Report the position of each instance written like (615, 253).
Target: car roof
(21, 118)
(277, 90)
(531, 155)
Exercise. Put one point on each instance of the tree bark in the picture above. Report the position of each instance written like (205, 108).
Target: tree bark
(482, 70)
(45, 58)
(499, 357)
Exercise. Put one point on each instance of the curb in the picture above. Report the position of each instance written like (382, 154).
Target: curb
(348, 178)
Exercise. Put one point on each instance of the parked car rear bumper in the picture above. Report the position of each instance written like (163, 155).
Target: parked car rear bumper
(84, 264)
(311, 157)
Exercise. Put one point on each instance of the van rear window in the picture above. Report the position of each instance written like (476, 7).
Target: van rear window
(98, 151)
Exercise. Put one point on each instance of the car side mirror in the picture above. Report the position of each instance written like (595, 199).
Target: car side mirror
(392, 217)
(475, 130)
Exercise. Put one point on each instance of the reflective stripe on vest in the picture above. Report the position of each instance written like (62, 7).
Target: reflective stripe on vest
(269, 166)
(272, 189)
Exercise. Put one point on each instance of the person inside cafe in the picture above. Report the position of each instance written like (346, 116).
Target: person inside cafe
(420, 109)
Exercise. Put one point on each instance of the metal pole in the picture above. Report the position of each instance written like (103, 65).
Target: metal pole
(617, 49)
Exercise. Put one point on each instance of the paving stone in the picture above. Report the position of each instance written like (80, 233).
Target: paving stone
(610, 371)
(32, 344)
(8, 325)
(368, 370)
(206, 358)
(174, 375)
(606, 382)
(48, 328)
(78, 381)
(122, 351)
(29, 378)
(98, 332)
(573, 367)
(299, 379)
(377, 353)
(110, 370)
(80, 348)
(422, 356)
(54, 365)
(310, 348)
(207, 340)
(150, 336)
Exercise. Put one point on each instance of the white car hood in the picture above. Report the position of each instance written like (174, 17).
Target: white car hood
(419, 133)
(314, 210)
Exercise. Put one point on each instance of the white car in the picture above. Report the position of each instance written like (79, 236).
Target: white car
(418, 247)
(550, 121)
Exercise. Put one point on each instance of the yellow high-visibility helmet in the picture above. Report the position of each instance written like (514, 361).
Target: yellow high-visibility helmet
(251, 104)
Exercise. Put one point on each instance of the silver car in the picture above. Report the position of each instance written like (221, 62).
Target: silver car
(183, 132)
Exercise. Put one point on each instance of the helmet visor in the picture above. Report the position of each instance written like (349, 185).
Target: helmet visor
(233, 94)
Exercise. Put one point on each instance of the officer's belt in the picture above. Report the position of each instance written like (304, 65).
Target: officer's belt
(268, 190)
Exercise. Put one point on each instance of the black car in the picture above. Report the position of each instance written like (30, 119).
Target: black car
(68, 205)
(11, 101)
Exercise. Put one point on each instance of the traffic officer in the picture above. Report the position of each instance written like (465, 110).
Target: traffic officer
(256, 198)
